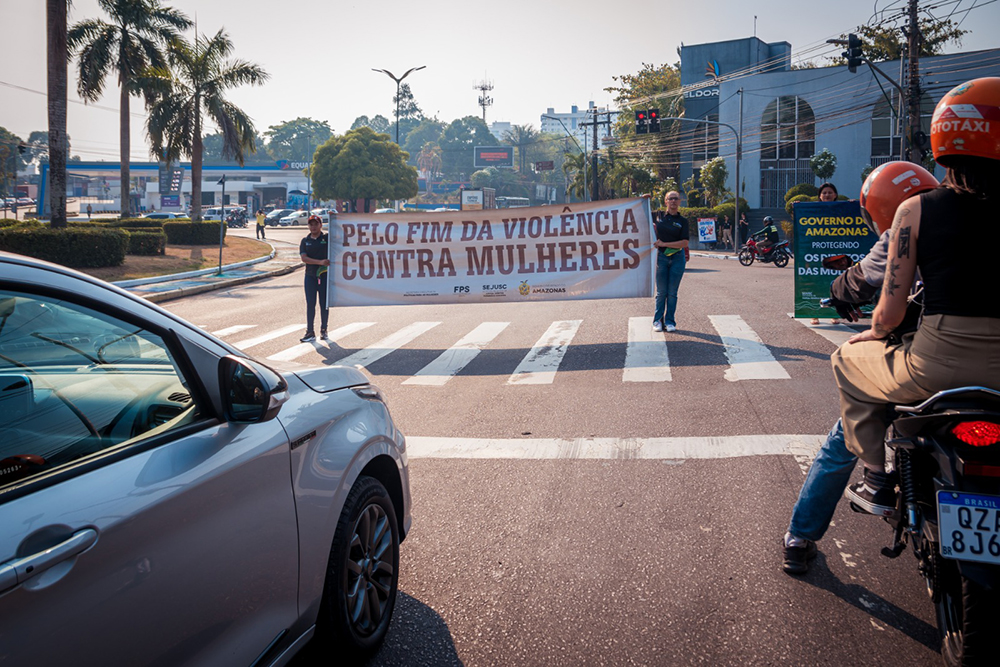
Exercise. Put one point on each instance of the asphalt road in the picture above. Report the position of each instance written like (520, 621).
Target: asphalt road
(594, 520)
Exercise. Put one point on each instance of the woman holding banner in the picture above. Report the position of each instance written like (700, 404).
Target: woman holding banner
(314, 251)
(671, 242)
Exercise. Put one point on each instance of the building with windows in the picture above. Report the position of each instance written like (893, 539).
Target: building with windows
(786, 116)
(571, 124)
(499, 128)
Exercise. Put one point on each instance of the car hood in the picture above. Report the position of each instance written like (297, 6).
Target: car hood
(323, 378)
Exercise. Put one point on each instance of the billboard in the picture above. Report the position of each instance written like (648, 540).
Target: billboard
(493, 156)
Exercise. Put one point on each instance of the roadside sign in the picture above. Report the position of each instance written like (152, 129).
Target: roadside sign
(546, 165)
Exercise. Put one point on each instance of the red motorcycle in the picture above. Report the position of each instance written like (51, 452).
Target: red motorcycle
(778, 254)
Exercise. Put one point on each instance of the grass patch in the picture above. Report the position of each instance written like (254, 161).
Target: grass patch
(180, 258)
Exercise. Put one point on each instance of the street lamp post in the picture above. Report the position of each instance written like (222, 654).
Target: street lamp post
(398, 81)
(583, 150)
(222, 221)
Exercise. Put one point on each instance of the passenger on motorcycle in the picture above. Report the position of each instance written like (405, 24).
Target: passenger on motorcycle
(769, 235)
(882, 193)
(950, 235)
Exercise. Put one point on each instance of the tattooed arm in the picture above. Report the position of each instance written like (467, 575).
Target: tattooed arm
(900, 269)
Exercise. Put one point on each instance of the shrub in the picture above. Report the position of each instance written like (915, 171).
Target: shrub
(801, 189)
(193, 233)
(729, 208)
(72, 246)
(145, 242)
(136, 223)
(11, 222)
(797, 198)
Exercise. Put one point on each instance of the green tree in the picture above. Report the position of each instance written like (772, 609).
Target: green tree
(407, 106)
(427, 130)
(297, 139)
(457, 142)
(195, 89)
(57, 52)
(823, 164)
(627, 179)
(362, 164)
(38, 148)
(379, 124)
(130, 42)
(713, 176)
(10, 161)
(887, 41)
(521, 137)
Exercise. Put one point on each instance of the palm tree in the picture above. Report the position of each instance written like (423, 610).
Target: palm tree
(58, 55)
(195, 87)
(521, 136)
(132, 42)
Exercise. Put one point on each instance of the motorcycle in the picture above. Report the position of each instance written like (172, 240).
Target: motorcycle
(946, 455)
(779, 254)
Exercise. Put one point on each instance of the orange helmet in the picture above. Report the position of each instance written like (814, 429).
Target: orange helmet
(889, 186)
(967, 121)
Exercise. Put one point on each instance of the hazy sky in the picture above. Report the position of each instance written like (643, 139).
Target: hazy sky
(538, 54)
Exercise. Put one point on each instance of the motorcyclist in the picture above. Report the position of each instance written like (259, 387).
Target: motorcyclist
(950, 235)
(882, 193)
(768, 236)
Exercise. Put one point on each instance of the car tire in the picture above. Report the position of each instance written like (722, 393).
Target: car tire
(362, 576)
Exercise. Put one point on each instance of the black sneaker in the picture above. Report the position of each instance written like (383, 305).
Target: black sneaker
(308, 338)
(322, 334)
(797, 558)
(874, 494)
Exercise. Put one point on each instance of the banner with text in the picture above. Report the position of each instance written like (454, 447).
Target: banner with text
(825, 229)
(596, 250)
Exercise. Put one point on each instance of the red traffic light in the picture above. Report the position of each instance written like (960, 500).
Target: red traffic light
(653, 113)
(640, 115)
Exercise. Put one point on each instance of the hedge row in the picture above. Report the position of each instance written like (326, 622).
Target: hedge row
(144, 242)
(193, 233)
(75, 247)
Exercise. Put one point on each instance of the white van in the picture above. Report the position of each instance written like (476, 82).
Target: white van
(214, 213)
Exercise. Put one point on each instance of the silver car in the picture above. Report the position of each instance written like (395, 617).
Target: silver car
(165, 499)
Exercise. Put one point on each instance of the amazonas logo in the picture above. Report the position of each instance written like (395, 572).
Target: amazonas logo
(524, 288)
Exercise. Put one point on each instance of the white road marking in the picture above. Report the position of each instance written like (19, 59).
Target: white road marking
(542, 362)
(610, 448)
(387, 345)
(835, 333)
(458, 356)
(233, 329)
(749, 358)
(297, 351)
(646, 358)
(270, 335)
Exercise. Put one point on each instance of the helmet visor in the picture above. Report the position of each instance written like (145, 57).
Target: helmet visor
(869, 222)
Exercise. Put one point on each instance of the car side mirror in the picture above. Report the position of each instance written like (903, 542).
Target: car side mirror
(251, 392)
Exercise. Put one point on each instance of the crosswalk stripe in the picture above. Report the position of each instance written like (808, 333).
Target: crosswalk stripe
(749, 358)
(233, 329)
(838, 334)
(270, 335)
(646, 358)
(387, 345)
(297, 351)
(458, 356)
(539, 366)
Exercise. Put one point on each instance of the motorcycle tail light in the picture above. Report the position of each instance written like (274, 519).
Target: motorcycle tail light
(977, 434)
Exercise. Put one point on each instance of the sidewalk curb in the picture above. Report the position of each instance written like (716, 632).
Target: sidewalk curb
(152, 280)
(159, 297)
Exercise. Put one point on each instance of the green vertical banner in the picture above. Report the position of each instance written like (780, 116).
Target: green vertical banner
(825, 229)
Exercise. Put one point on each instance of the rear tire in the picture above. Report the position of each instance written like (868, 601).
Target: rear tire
(781, 261)
(362, 577)
(746, 257)
(966, 616)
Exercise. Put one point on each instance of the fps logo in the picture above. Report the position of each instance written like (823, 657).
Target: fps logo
(524, 288)
(461, 289)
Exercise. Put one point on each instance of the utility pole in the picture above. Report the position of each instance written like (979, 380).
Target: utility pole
(595, 183)
(913, 85)
(485, 100)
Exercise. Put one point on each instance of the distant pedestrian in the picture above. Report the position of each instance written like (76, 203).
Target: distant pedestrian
(671, 243)
(727, 232)
(744, 229)
(90, 210)
(314, 251)
(260, 224)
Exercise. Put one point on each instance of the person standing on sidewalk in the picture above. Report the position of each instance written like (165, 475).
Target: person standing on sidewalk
(90, 210)
(744, 229)
(671, 242)
(260, 224)
(727, 232)
(314, 251)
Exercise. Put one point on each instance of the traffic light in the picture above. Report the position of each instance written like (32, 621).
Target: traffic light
(853, 53)
(654, 120)
(640, 122)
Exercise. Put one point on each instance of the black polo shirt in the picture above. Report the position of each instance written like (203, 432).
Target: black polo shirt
(671, 228)
(317, 248)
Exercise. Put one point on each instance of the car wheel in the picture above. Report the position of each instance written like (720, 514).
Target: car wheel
(363, 574)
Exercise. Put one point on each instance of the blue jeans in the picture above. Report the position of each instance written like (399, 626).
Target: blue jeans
(669, 271)
(316, 287)
(828, 477)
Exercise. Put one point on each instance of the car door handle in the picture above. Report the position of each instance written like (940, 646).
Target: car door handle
(15, 572)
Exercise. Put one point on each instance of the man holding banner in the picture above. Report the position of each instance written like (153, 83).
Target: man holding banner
(671, 241)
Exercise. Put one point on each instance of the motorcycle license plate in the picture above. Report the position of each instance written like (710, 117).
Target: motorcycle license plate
(969, 525)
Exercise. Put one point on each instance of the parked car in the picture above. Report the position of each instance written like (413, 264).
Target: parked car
(166, 499)
(295, 218)
(25, 201)
(213, 213)
(163, 215)
(272, 218)
(323, 214)
(385, 210)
